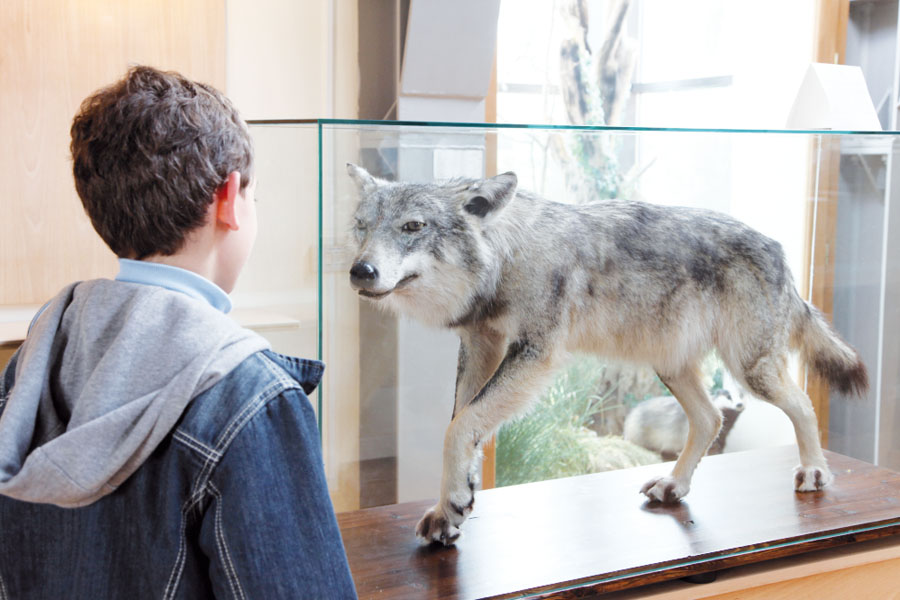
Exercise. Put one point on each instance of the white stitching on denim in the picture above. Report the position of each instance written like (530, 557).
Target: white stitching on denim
(237, 423)
(212, 456)
(196, 445)
(234, 427)
(208, 464)
(281, 384)
(4, 595)
(279, 373)
(175, 575)
(202, 483)
(270, 391)
(201, 445)
(230, 571)
(178, 567)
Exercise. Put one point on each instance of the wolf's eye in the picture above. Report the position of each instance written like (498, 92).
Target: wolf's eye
(413, 226)
(360, 225)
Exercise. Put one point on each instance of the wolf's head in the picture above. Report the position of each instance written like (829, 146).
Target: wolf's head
(421, 249)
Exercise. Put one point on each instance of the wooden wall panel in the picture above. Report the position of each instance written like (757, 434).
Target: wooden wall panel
(821, 215)
(53, 53)
(830, 47)
(819, 249)
(6, 352)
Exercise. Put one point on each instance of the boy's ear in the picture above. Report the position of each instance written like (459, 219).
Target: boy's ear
(487, 198)
(226, 201)
(364, 181)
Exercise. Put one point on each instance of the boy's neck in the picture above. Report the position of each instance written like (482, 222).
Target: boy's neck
(201, 253)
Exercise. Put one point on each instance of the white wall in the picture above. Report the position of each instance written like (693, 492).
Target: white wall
(292, 59)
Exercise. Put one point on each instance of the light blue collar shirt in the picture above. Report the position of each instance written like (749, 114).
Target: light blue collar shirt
(175, 279)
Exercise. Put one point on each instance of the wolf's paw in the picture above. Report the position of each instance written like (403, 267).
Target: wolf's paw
(436, 526)
(665, 489)
(811, 479)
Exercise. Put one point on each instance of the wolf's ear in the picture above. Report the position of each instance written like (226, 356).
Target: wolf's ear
(488, 197)
(364, 181)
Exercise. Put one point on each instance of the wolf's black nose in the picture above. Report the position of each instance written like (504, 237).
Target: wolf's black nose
(363, 271)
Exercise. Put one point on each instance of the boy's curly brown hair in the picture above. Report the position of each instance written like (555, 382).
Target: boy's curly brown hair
(149, 152)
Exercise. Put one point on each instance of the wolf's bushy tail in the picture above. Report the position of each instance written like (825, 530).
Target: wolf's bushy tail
(825, 352)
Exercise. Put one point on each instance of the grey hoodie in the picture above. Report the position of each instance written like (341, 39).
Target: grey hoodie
(106, 372)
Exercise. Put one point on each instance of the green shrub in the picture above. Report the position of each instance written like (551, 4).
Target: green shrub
(553, 440)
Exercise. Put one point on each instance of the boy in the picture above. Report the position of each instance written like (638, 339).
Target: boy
(150, 447)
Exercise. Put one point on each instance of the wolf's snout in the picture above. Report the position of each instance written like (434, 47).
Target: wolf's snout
(363, 273)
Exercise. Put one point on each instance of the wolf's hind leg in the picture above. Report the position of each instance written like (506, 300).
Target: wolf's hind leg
(704, 421)
(769, 379)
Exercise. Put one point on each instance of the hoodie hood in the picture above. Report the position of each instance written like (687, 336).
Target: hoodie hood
(105, 374)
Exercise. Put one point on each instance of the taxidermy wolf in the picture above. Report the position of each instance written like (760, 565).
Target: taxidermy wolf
(523, 280)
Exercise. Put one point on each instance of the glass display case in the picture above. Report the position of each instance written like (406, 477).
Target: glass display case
(388, 392)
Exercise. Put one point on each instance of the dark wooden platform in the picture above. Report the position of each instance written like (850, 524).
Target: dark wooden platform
(577, 537)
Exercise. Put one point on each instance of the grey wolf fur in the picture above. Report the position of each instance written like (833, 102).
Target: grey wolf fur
(522, 280)
(660, 424)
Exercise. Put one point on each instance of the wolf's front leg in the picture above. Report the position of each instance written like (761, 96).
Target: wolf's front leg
(441, 522)
(509, 391)
(480, 353)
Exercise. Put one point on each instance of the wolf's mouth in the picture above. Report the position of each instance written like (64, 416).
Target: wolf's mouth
(402, 283)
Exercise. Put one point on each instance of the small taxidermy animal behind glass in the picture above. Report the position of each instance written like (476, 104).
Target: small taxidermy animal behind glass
(661, 425)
